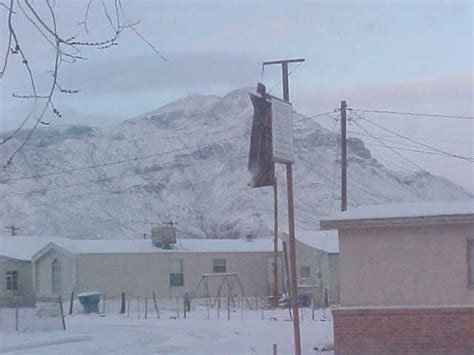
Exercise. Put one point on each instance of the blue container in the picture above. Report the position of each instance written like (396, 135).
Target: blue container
(302, 301)
(90, 301)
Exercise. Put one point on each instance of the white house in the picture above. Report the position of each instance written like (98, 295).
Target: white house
(59, 266)
(16, 274)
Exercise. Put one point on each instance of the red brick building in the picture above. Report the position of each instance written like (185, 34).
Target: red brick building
(406, 279)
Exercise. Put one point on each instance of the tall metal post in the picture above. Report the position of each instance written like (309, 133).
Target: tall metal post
(291, 227)
(275, 243)
(343, 156)
(291, 218)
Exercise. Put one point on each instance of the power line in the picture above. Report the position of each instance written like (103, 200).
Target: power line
(414, 114)
(328, 114)
(419, 138)
(119, 161)
(65, 171)
(405, 147)
(397, 153)
(412, 140)
(170, 166)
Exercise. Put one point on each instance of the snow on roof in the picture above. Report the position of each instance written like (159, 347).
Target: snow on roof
(24, 248)
(327, 241)
(404, 210)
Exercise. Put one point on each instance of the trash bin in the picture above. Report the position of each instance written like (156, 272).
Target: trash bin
(302, 301)
(90, 301)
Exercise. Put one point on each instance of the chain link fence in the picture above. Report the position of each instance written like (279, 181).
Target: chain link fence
(25, 314)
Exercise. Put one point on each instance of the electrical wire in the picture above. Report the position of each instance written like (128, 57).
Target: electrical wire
(90, 167)
(170, 166)
(413, 114)
(412, 140)
(119, 161)
(397, 153)
(404, 147)
(417, 138)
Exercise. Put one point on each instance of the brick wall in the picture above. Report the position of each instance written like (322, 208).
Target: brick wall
(437, 330)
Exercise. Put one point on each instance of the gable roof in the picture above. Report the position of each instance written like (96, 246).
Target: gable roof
(402, 213)
(327, 241)
(23, 248)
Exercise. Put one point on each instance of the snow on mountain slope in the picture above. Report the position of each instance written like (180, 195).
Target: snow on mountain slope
(186, 161)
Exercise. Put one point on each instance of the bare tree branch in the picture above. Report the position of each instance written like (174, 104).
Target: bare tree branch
(18, 49)
(9, 44)
(9, 9)
(65, 50)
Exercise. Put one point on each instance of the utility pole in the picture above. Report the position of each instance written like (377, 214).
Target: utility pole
(275, 241)
(343, 156)
(291, 216)
(13, 229)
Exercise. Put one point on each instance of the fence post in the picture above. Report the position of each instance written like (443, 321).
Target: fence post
(71, 305)
(156, 306)
(312, 308)
(60, 300)
(228, 306)
(241, 307)
(177, 307)
(138, 307)
(128, 308)
(146, 307)
(17, 305)
(218, 303)
(122, 307)
(263, 309)
(275, 349)
(184, 308)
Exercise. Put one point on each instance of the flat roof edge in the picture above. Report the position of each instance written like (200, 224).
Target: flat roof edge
(396, 221)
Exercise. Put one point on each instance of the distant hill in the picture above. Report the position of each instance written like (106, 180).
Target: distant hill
(191, 167)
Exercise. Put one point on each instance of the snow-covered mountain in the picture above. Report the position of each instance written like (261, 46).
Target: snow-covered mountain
(186, 161)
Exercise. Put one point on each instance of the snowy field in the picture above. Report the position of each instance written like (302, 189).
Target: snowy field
(119, 334)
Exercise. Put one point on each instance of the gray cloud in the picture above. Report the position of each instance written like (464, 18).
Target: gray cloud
(147, 73)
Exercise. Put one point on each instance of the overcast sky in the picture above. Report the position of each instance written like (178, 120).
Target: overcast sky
(407, 55)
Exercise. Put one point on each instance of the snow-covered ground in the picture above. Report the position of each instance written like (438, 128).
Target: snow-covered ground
(117, 334)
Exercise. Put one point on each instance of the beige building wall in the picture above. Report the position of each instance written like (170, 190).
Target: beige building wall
(140, 274)
(25, 292)
(416, 265)
(43, 273)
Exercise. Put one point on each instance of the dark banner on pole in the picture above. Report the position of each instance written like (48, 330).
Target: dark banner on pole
(260, 161)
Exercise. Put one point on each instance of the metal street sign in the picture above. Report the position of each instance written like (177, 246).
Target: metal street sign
(282, 131)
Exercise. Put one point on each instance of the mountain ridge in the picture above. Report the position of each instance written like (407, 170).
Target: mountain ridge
(187, 161)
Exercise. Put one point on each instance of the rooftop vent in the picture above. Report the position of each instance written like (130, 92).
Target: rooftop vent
(164, 236)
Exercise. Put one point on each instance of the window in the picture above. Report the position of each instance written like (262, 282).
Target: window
(56, 276)
(305, 272)
(470, 261)
(218, 265)
(12, 280)
(176, 273)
